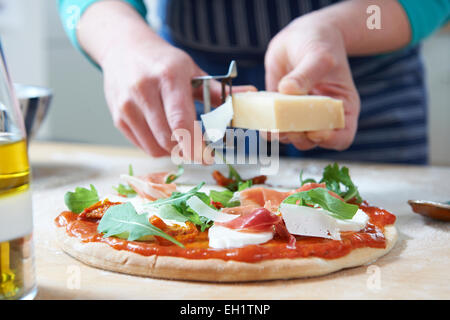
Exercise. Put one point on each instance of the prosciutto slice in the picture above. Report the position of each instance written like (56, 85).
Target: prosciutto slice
(310, 186)
(260, 220)
(151, 186)
(259, 196)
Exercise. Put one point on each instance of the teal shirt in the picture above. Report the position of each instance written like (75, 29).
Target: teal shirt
(425, 16)
(71, 11)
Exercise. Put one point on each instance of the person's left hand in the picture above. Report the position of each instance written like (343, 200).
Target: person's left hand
(309, 57)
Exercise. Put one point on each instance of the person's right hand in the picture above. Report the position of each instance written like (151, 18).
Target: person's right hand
(149, 93)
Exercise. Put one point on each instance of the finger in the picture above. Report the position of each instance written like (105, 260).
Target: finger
(275, 66)
(274, 136)
(138, 126)
(284, 138)
(268, 136)
(300, 141)
(319, 137)
(176, 93)
(312, 68)
(125, 129)
(151, 105)
(339, 139)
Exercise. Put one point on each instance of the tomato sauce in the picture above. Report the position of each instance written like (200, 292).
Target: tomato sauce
(371, 236)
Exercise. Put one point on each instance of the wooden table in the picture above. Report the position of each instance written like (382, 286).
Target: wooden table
(417, 267)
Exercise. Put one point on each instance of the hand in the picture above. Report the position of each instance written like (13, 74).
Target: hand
(149, 93)
(147, 81)
(309, 57)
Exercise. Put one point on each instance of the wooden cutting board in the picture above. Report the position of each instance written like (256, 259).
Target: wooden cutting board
(417, 267)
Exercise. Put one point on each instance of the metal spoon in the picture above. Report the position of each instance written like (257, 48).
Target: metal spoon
(431, 209)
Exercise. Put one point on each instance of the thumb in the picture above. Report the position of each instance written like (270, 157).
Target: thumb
(310, 71)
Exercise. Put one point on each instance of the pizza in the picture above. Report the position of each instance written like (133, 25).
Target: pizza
(238, 230)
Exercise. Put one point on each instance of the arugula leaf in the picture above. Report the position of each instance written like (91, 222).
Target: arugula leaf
(303, 182)
(124, 190)
(203, 222)
(183, 213)
(172, 177)
(123, 221)
(224, 198)
(170, 212)
(177, 201)
(233, 174)
(130, 170)
(244, 185)
(322, 198)
(178, 198)
(334, 177)
(81, 199)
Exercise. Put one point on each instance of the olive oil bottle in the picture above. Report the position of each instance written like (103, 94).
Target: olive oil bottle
(17, 277)
(16, 258)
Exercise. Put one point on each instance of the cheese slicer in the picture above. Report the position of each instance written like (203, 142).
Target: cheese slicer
(224, 79)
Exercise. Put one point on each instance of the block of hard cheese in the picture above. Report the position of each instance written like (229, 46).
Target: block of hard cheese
(264, 110)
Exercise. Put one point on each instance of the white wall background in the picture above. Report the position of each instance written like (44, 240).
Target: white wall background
(39, 53)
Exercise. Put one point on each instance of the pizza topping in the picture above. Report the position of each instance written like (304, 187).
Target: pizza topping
(242, 218)
(151, 186)
(283, 233)
(225, 198)
(124, 222)
(241, 210)
(176, 207)
(277, 248)
(337, 180)
(221, 237)
(259, 220)
(317, 213)
(206, 211)
(320, 197)
(125, 190)
(234, 182)
(255, 227)
(317, 222)
(97, 210)
(174, 176)
(221, 180)
(259, 196)
(81, 199)
(183, 234)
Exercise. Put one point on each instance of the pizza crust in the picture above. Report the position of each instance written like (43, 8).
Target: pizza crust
(103, 256)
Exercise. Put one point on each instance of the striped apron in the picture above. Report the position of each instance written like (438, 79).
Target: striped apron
(392, 124)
